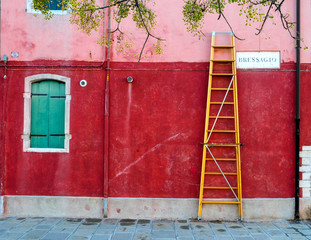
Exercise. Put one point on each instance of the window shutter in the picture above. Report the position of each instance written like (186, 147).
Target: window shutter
(57, 115)
(48, 114)
(39, 115)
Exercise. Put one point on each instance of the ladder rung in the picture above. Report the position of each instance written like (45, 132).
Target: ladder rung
(222, 117)
(221, 89)
(224, 202)
(221, 159)
(222, 46)
(222, 74)
(223, 131)
(222, 103)
(214, 33)
(220, 188)
(222, 60)
(218, 173)
(221, 144)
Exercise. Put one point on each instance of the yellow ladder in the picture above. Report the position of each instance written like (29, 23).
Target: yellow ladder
(221, 165)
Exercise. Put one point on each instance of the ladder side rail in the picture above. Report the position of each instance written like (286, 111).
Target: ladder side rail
(206, 126)
(237, 134)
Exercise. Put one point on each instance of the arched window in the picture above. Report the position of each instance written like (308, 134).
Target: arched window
(46, 113)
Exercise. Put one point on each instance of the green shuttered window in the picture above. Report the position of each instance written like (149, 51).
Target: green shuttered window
(55, 4)
(47, 114)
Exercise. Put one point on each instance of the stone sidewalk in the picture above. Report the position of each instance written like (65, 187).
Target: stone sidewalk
(140, 229)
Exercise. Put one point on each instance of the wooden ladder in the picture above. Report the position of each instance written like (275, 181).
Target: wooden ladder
(221, 164)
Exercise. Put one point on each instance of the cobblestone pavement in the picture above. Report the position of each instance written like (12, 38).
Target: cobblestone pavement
(140, 229)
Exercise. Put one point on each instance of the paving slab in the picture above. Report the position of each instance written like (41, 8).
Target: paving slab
(122, 236)
(104, 231)
(35, 234)
(163, 234)
(184, 233)
(56, 236)
(185, 238)
(261, 236)
(206, 238)
(11, 236)
(142, 236)
(101, 237)
(79, 238)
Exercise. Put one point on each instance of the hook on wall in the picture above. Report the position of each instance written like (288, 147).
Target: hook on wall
(130, 79)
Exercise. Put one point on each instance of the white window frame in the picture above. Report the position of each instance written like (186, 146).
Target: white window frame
(27, 112)
(31, 10)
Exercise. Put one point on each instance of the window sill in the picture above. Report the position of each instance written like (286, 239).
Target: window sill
(51, 150)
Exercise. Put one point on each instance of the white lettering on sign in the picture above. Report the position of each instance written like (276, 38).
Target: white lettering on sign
(258, 60)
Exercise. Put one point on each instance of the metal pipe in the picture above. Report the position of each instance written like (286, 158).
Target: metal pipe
(56, 66)
(106, 121)
(5, 91)
(297, 118)
(0, 30)
(104, 47)
(2, 135)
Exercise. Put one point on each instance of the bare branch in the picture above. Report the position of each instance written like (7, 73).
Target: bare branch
(260, 2)
(266, 17)
(279, 6)
(119, 22)
(286, 24)
(219, 8)
(108, 6)
(142, 49)
(231, 27)
(147, 30)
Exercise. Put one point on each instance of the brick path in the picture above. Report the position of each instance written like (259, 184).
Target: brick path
(139, 229)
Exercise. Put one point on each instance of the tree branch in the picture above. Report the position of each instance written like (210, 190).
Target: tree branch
(285, 23)
(147, 30)
(231, 27)
(219, 8)
(108, 6)
(266, 17)
(118, 26)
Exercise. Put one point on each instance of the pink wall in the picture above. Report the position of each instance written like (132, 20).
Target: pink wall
(306, 31)
(183, 47)
(35, 38)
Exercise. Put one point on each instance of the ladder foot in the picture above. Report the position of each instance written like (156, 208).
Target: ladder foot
(240, 219)
(199, 218)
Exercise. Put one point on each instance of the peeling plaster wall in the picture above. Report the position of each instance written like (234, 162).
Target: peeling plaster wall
(156, 126)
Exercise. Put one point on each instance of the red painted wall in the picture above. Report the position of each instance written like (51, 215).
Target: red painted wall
(156, 126)
(305, 110)
(267, 130)
(79, 173)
